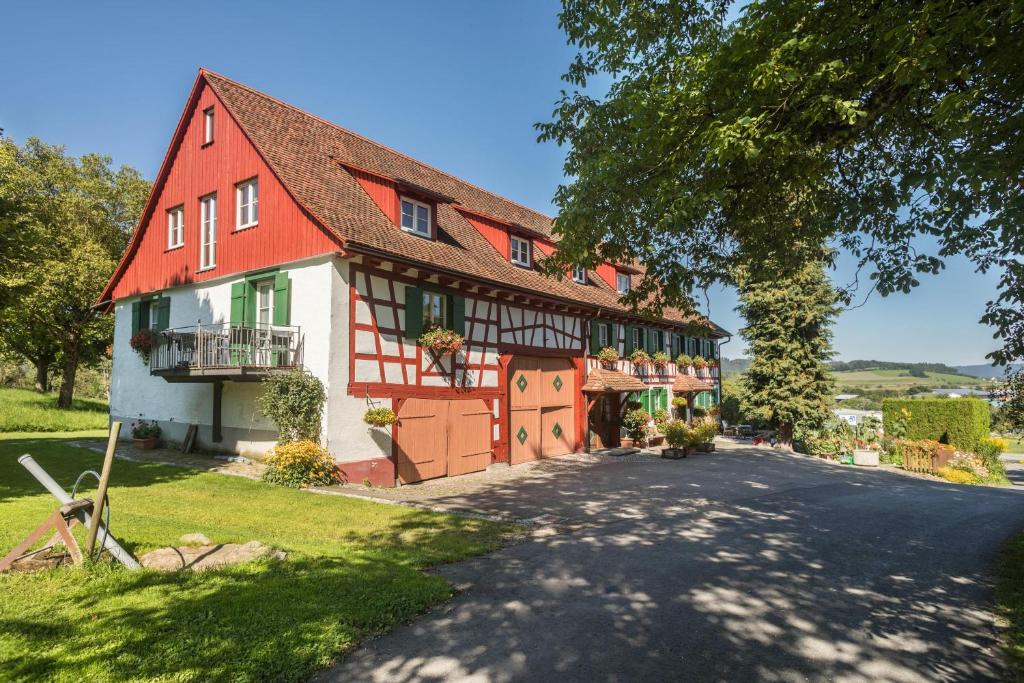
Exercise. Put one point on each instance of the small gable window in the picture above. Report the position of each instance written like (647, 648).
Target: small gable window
(415, 217)
(247, 202)
(208, 126)
(521, 252)
(176, 227)
(622, 282)
(579, 274)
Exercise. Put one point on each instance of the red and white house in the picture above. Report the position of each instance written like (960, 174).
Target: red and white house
(273, 239)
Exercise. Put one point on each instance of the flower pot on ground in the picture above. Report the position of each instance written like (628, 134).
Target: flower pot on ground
(441, 341)
(635, 423)
(145, 434)
(608, 357)
(677, 435)
(655, 439)
(865, 457)
(626, 442)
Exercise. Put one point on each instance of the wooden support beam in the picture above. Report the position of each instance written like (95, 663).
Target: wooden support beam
(218, 393)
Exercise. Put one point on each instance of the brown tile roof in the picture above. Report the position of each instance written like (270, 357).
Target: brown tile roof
(604, 381)
(308, 155)
(688, 383)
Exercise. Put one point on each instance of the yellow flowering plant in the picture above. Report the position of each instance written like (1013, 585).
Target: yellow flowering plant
(300, 463)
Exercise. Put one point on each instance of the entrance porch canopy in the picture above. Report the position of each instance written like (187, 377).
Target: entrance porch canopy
(605, 381)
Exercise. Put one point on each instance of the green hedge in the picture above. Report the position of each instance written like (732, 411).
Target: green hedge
(960, 422)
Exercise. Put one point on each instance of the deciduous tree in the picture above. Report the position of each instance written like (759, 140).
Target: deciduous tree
(861, 124)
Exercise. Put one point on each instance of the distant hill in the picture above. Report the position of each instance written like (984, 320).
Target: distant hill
(734, 366)
(985, 371)
(915, 369)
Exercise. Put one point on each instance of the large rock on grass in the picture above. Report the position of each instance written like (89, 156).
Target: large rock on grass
(200, 557)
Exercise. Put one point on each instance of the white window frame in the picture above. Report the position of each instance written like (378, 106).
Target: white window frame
(429, 322)
(636, 338)
(579, 274)
(176, 227)
(208, 125)
(252, 205)
(208, 232)
(602, 335)
(515, 255)
(261, 287)
(415, 222)
(621, 277)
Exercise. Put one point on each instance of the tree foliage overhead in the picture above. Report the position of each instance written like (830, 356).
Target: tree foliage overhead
(789, 384)
(64, 222)
(864, 125)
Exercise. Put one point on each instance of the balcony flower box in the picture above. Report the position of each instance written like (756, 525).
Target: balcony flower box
(441, 341)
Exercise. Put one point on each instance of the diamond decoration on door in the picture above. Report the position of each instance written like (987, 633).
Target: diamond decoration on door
(521, 435)
(521, 382)
(557, 430)
(557, 383)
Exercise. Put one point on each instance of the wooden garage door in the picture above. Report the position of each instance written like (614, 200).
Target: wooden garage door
(541, 394)
(438, 437)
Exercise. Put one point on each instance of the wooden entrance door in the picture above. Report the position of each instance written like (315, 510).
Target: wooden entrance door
(541, 396)
(439, 437)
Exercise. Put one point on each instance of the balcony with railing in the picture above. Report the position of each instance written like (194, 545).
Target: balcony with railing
(219, 351)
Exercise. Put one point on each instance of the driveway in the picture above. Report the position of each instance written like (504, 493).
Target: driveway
(740, 565)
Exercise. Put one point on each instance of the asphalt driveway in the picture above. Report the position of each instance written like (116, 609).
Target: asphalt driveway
(739, 565)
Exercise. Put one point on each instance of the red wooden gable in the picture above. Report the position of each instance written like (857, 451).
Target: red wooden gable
(192, 170)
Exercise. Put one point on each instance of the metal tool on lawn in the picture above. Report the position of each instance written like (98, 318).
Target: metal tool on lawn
(72, 511)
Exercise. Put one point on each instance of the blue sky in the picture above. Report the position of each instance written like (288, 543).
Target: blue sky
(456, 84)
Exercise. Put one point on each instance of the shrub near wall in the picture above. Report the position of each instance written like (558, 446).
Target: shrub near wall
(960, 422)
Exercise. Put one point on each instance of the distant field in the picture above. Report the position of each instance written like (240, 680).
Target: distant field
(901, 379)
(28, 411)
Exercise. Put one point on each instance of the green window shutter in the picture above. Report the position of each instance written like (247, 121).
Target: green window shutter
(595, 336)
(457, 313)
(663, 398)
(413, 312)
(613, 335)
(652, 342)
(238, 302)
(628, 346)
(645, 401)
(249, 319)
(136, 317)
(282, 299)
(163, 313)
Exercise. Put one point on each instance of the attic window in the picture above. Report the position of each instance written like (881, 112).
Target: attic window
(579, 274)
(208, 126)
(415, 217)
(622, 282)
(520, 252)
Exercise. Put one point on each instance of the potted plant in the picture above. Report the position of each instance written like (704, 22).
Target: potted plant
(441, 341)
(677, 435)
(639, 359)
(712, 362)
(660, 360)
(683, 362)
(380, 417)
(694, 440)
(704, 435)
(145, 434)
(699, 362)
(608, 357)
(635, 423)
(143, 342)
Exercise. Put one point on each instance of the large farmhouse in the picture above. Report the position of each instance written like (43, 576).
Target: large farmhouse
(275, 240)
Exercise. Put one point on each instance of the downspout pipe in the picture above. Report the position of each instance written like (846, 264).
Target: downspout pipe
(720, 371)
(119, 553)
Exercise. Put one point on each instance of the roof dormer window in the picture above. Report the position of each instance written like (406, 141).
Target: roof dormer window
(579, 274)
(622, 282)
(208, 126)
(416, 217)
(520, 252)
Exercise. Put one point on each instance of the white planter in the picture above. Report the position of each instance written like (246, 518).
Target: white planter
(866, 458)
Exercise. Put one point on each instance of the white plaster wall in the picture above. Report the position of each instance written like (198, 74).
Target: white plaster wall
(346, 435)
(134, 393)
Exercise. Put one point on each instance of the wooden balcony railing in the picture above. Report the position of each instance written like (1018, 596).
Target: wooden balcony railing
(213, 346)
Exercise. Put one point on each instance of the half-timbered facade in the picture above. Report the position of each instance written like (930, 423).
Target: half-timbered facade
(275, 240)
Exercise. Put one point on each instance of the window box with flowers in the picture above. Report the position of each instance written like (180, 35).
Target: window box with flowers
(699, 363)
(143, 342)
(660, 360)
(608, 357)
(639, 359)
(683, 362)
(441, 341)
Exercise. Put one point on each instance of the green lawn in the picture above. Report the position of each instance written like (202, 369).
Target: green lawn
(900, 379)
(1016, 444)
(28, 411)
(353, 570)
(1010, 602)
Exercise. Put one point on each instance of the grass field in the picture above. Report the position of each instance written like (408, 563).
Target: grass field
(28, 411)
(353, 570)
(1010, 602)
(900, 379)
